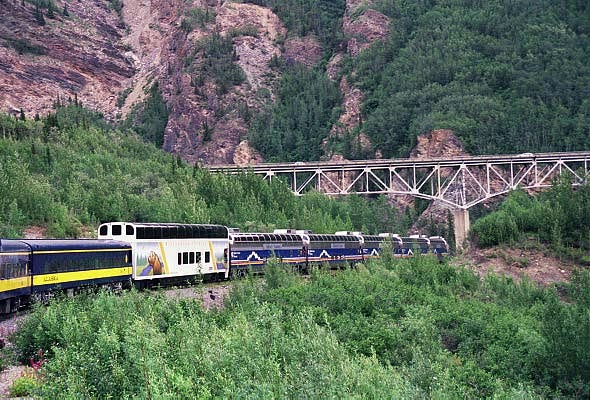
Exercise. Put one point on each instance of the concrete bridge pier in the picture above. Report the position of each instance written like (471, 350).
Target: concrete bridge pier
(461, 226)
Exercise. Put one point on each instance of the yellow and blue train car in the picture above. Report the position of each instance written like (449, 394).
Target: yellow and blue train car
(15, 277)
(73, 263)
(39, 267)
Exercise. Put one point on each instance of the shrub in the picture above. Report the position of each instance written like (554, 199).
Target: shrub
(24, 386)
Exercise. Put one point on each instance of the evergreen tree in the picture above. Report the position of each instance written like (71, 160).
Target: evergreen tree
(207, 132)
(39, 16)
(50, 13)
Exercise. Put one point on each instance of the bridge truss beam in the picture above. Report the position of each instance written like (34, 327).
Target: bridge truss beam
(460, 182)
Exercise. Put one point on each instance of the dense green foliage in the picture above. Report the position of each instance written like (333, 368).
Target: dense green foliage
(196, 17)
(507, 77)
(71, 170)
(322, 18)
(413, 329)
(292, 129)
(217, 61)
(559, 217)
(149, 119)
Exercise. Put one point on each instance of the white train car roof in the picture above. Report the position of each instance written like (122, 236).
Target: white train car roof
(136, 231)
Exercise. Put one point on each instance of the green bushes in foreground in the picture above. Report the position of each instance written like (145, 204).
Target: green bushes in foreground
(413, 330)
(559, 217)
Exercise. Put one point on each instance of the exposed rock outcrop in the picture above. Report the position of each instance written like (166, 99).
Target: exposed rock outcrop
(81, 54)
(438, 143)
(306, 51)
(363, 26)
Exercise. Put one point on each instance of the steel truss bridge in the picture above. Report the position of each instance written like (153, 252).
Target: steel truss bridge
(460, 182)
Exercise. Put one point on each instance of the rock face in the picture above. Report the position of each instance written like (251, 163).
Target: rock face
(436, 144)
(109, 59)
(306, 51)
(440, 143)
(363, 26)
(207, 125)
(65, 57)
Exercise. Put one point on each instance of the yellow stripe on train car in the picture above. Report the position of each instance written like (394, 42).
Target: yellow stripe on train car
(15, 283)
(63, 277)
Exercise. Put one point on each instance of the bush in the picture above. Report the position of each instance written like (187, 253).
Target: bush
(24, 386)
(414, 328)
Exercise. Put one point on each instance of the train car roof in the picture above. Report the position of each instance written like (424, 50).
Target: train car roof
(73, 244)
(265, 237)
(374, 238)
(12, 246)
(154, 230)
(316, 237)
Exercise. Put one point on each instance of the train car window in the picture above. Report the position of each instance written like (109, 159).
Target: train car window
(116, 230)
(179, 258)
(191, 257)
(55, 266)
(198, 257)
(129, 230)
(104, 230)
(185, 257)
(140, 234)
(207, 257)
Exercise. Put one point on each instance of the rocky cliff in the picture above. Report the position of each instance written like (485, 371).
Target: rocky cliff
(108, 53)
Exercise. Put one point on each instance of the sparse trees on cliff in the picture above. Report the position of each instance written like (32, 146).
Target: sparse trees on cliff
(39, 16)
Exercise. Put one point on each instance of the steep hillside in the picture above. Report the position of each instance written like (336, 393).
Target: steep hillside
(43, 58)
(216, 63)
(242, 82)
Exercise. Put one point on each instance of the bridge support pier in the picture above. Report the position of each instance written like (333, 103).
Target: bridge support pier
(461, 226)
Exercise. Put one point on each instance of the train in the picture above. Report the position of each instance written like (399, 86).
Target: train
(143, 255)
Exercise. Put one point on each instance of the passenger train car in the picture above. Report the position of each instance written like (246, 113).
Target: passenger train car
(148, 254)
(38, 267)
(167, 253)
